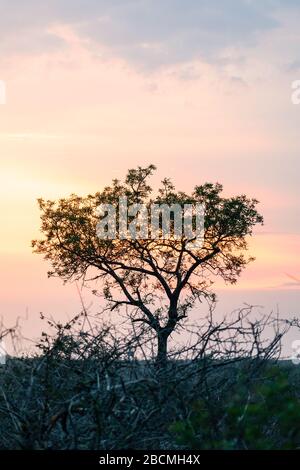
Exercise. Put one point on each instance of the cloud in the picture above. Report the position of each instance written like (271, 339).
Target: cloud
(148, 33)
(295, 282)
(294, 66)
(238, 81)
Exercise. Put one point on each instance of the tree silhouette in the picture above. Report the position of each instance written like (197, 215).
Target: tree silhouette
(158, 280)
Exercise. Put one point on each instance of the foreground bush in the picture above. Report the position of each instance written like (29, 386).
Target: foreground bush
(85, 390)
(265, 415)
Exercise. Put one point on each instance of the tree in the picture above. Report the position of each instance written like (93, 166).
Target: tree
(158, 280)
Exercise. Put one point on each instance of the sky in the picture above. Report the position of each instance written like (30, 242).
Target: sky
(202, 89)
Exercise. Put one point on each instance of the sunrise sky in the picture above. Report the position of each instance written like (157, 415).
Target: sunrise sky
(202, 89)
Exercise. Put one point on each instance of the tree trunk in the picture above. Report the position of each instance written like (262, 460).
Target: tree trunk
(162, 348)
